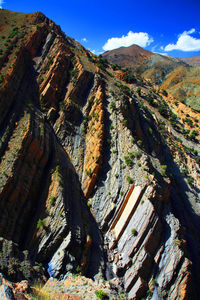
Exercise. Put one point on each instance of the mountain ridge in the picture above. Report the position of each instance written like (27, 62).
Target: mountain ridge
(193, 61)
(99, 172)
(177, 76)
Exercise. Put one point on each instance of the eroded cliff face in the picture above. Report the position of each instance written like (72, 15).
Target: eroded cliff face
(94, 178)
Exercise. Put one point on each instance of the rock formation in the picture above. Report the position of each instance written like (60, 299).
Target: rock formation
(180, 77)
(98, 177)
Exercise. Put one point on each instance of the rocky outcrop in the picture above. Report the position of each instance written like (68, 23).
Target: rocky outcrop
(42, 206)
(95, 180)
(17, 265)
(80, 287)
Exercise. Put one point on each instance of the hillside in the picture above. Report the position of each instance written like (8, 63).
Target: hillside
(192, 61)
(146, 63)
(178, 77)
(184, 85)
(133, 56)
(99, 174)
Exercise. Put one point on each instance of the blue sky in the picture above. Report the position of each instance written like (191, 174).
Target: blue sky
(168, 27)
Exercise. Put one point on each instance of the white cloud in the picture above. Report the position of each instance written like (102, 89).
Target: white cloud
(95, 51)
(1, 3)
(185, 42)
(141, 39)
(188, 32)
(164, 54)
(84, 40)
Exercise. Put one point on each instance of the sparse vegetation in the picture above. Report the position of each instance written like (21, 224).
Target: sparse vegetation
(78, 269)
(101, 295)
(58, 173)
(164, 169)
(129, 78)
(74, 75)
(89, 203)
(164, 92)
(150, 130)
(88, 172)
(139, 91)
(52, 200)
(113, 117)
(124, 122)
(102, 63)
(134, 231)
(177, 242)
(113, 106)
(1, 78)
(137, 154)
(128, 161)
(184, 172)
(129, 179)
(190, 180)
(40, 223)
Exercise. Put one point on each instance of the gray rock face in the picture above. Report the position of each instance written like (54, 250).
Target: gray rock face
(83, 157)
(17, 265)
(6, 293)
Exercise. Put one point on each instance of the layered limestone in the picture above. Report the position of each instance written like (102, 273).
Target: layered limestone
(92, 179)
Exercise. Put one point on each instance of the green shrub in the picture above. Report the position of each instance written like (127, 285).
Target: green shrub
(30, 105)
(134, 231)
(129, 179)
(137, 154)
(1, 78)
(78, 269)
(125, 89)
(173, 119)
(177, 242)
(40, 223)
(195, 152)
(139, 91)
(115, 67)
(88, 172)
(193, 134)
(113, 105)
(102, 63)
(150, 130)
(132, 140)
(58, 172)
(164, 92)
(128, 161)
(188, 121)
(190, 180)
(184, 172)
(101, 295)
(74, 74)
(125, 122)
(89, 203)
(52, 200)
(139, 142)
(50, 59)
(154, 282)
(129, 78)
(164, 169)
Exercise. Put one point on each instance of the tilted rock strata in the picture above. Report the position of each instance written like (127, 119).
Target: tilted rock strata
(84, 156)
